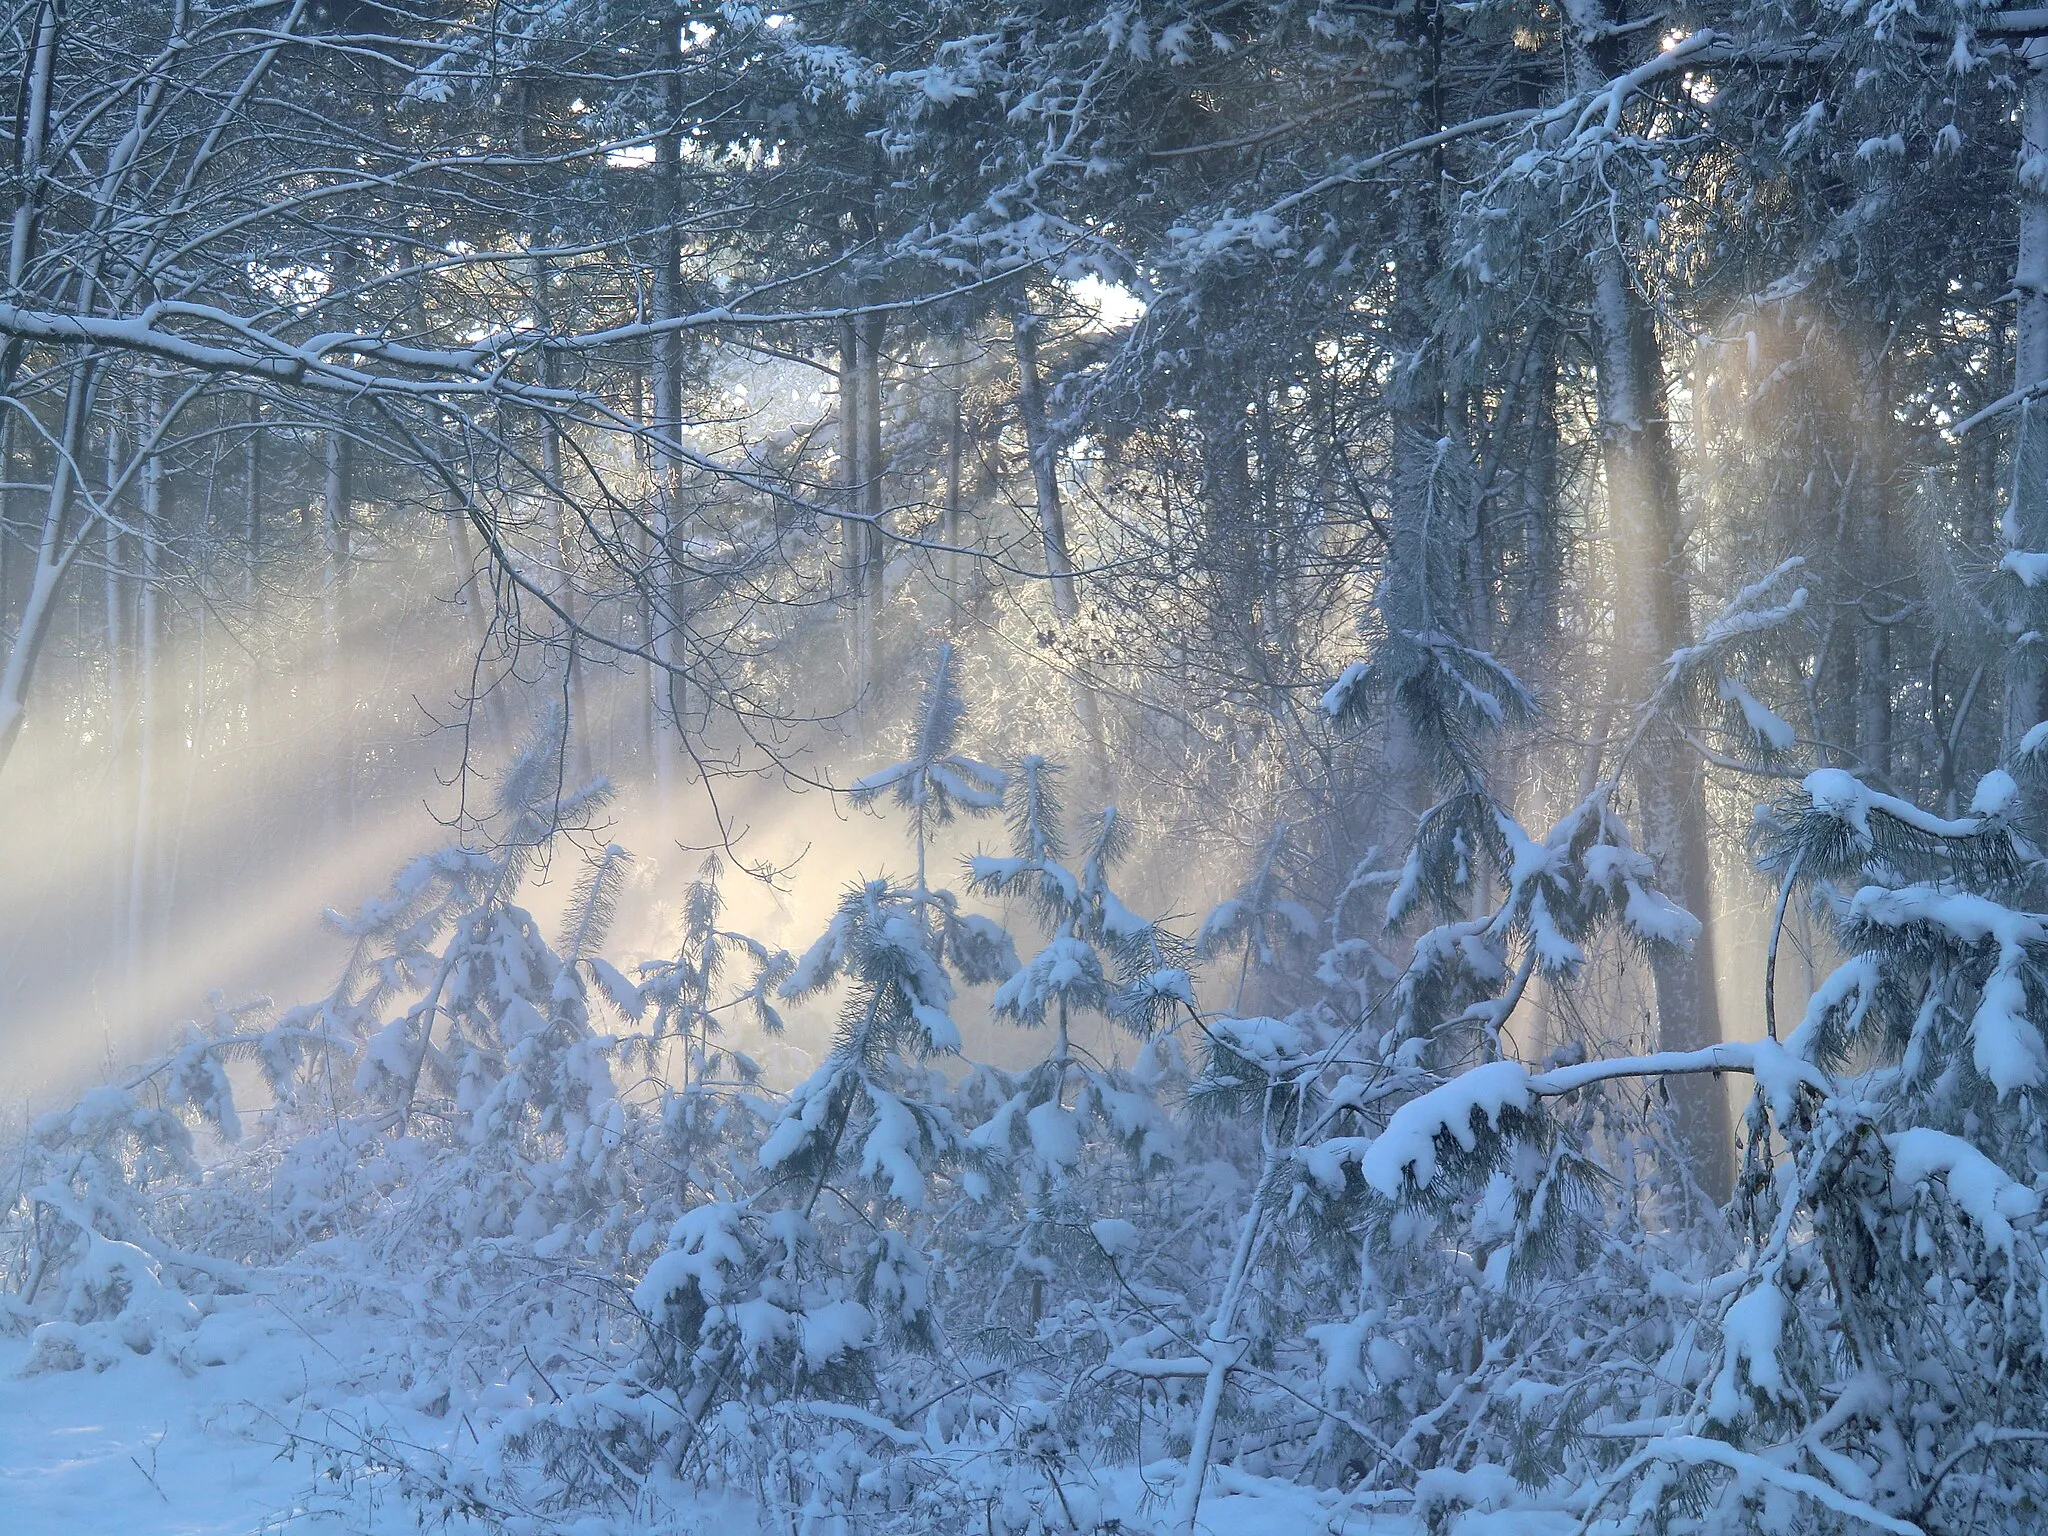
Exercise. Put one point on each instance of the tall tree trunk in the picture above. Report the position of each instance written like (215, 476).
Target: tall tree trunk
(1052, 522)
(9, 438)
(252, 569)
(486, 695)
(114, 608)
(1650, 622)
(1871, 539)
(1640, 464)
(644, 542)
(336, 498)
(1542, 539)
(560, 580)
(874, 550)
(337, 533)
(53, 555)
(872, 464)
(956, 447)
(853, 544)
(666, 592)
(114, 602)
(1408, 595)
(1038, 442)
(150, 529)
(2026, 518)
(562, 542)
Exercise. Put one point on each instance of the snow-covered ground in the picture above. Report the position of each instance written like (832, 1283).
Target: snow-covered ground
(230, 1441)
(229, 1436)
(221, 1438)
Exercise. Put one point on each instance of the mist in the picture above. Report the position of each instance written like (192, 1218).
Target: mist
(1092, 769)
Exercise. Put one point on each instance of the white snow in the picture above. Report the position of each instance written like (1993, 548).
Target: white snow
(703, 1246)
(223, 1435)
(1779, 1073)
(229, 1438)
(1270, 1044)
(1055, 1136)
(1342, 1345)
(1771, 729)
(1856, 976)
(1656, 917)
(1997, 794)
(1485, 1487)
(2030, 566)
(891, 1149)
(1841, 795)
(2005, 1046)
(1979, 1187)
(1067, 967)
(1407, 1147)
(1116, 1236)
(1751, 1333)
(1837, 792)
(829, 1331)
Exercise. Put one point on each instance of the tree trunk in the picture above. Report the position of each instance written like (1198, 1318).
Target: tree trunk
(1408, 591)
(1871, 540)
(1650, 622)
(1542, 539)
(666, 593)
(853, 533)
(53, 557)
(1052, 522)
(956, 447)
(562, 543)
(853, 544)
(874, 551)
(252, 569)
(2026, 518)
(8, 499)
(150, 527)
(336, 496)
(114, 602)
(486, 696)
(871, 462)
(1052, 519)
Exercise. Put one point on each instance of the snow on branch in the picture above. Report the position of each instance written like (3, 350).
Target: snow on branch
(1753, 1471)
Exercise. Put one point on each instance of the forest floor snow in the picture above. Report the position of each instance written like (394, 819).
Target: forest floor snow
(248, 1429)
(159, 1446)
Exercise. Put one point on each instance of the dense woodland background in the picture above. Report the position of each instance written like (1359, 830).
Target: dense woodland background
(1338, 436)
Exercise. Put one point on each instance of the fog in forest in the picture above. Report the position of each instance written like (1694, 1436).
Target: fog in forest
(1107, 768)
